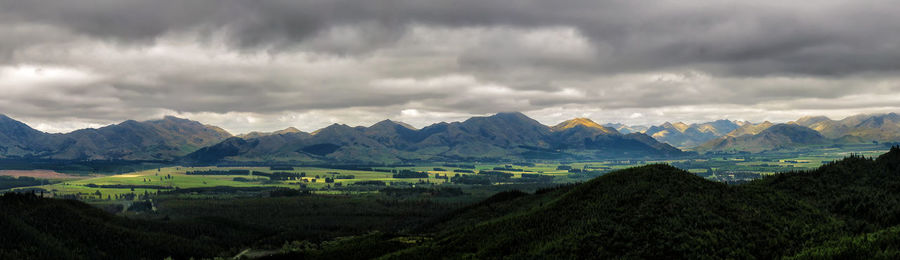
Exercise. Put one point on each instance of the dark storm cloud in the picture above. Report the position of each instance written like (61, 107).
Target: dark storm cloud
(750, 38)
(239, 62)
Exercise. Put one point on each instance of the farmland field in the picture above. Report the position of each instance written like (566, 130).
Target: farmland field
(341, 180)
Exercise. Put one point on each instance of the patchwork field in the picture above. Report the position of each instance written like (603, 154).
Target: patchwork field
(727, 168)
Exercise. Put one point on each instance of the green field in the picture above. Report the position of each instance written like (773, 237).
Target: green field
(168, 178)
(727, 168)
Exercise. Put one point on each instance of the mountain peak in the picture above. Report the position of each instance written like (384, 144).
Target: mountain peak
(388, 122)
(513, 113)
(680, 126)
(331, 128)
(580, 121)
(750, 129)
(288, 130)
(9, 126)
(254, 134)
(508, 119)
(517, 116)
(168, 119)
(172, 119)
(810, 120)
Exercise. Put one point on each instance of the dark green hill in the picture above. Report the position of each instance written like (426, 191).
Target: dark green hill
(659, 211)
(655, 211)
(845, 209)
(36, 228)
(862, 191)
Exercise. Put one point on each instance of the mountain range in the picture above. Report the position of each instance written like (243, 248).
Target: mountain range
(683, 135)
(500, 136)
(881, 127)
(744, 136)
(776, 137)
(163, 139)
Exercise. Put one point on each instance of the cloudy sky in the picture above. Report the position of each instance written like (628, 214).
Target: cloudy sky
(270, 64)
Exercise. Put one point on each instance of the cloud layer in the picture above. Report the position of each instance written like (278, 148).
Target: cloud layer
(266, 65)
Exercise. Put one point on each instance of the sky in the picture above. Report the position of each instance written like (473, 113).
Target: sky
(268, 64)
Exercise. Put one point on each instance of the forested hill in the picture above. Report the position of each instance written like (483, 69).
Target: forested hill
(36, 228)
(659, 211)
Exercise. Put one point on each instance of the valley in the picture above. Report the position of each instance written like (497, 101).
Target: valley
(817, 212)
(395, 192)
(344, 179)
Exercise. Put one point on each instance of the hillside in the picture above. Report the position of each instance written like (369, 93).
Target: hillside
(653, 211)
(18, 139)
(35, 228)
(163, 139)
(658, 211)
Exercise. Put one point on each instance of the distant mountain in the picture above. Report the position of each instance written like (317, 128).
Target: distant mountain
(393, 134)
(719, 127)
(810, 120)
(748, 128)
(289, 130)
(18, 139)
(776, 137)
(868, 127)
(163, 139)
(683, 135)
(500, 136)
(626, 129)
(582, 122)
(584, 134)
